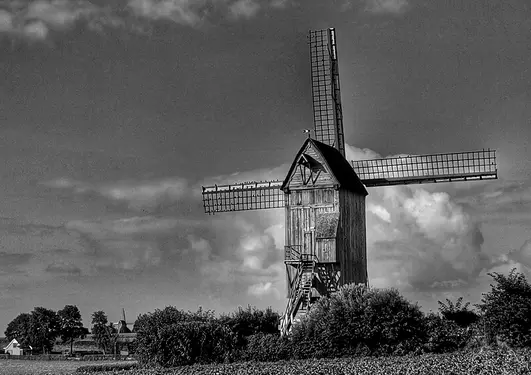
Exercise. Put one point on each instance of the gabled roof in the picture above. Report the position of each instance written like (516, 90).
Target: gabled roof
(14, 341)
(336, 165)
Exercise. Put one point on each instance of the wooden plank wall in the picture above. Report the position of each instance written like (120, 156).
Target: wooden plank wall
(351, 240)
(304, 206)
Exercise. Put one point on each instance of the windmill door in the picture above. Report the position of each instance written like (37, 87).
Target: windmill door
(307, 229)
(308, 242)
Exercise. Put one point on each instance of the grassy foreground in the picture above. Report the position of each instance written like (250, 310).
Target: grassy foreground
(18, 367)
(485, 361)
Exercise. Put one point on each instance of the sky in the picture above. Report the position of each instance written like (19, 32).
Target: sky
(113, 114)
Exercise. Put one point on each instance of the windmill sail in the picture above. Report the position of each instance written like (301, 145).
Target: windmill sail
(327, 114)
(243, 196)
(459, 166)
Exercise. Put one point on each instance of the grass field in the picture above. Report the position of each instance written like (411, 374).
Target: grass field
(16, 367)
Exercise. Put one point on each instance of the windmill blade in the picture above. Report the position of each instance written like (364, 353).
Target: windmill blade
(418, 169)
(243, 196)
(327, 114)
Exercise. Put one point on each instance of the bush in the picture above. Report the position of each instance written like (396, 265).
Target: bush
(445, 336)
(185, 343)
(251, 321)
(357, 321)
(458, 313)
(506, 310)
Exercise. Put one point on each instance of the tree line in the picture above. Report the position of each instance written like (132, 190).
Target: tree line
(40, 328)
(355, 321)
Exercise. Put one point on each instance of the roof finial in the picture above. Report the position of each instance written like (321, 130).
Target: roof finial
(309, 132)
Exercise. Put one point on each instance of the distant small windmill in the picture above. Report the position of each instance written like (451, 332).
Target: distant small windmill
(121, 325)
(324, 195)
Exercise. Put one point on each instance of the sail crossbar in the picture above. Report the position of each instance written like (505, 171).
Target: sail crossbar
(243, 196)
(416, 169)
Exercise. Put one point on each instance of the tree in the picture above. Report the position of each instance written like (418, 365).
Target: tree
(71, 325)
(506, 309)
(458, 313)
(43, 329)
(18, 329)
(101, 331)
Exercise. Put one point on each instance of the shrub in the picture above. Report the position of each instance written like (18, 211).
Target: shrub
(445, 336)
(506, 310)
(251, 321)
(185, 343)
(458, 313)
(356, 321)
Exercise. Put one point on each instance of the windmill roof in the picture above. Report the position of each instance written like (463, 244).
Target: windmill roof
(337, 165)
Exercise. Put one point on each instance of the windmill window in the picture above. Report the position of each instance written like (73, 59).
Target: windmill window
(326, 225)
(310, 163)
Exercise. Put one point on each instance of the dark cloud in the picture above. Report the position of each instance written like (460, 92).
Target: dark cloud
(59, 268)
(10, 261)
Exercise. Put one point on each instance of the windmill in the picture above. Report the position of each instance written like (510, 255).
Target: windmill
(323, 195)
(121, 325)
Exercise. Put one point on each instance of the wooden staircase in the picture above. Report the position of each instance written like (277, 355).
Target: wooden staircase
(300, 298)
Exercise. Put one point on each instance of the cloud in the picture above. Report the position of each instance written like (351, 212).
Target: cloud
(59, 13)
(63, 268)
(262, 289)
(186, 12)
(136, 195)
(195, 13)
(6, 21)
(244, 8)
(378, 6)
(10, 262)
(128, 243)
(386, 6)
(35, 19)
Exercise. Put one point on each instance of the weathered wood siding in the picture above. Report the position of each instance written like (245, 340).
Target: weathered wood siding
(351, 241)
(304, 216)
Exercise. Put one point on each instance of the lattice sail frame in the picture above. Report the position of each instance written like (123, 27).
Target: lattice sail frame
(243, 196)
(326, 95)
(457, 166)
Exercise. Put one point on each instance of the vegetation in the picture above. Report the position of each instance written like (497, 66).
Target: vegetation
(71, 326)
(37, 329)
(103, 367)
(386, 332)
(43, 367)
(487, 362)
(359, 321)
(458, 313)
(103, 332)
(506, 310)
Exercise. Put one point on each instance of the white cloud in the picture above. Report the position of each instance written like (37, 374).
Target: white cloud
(186, 12)
(6, 21)
(137, 195)
(386, 6)
(197, 12)
(280, 3)
(262, 289)
(244, 8)
(379, 211)
(59, 13)
(36, 30)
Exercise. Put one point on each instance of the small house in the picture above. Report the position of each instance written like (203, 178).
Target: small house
(14, 348)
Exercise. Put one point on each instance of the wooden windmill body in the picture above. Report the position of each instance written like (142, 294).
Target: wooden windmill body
(324, 195)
